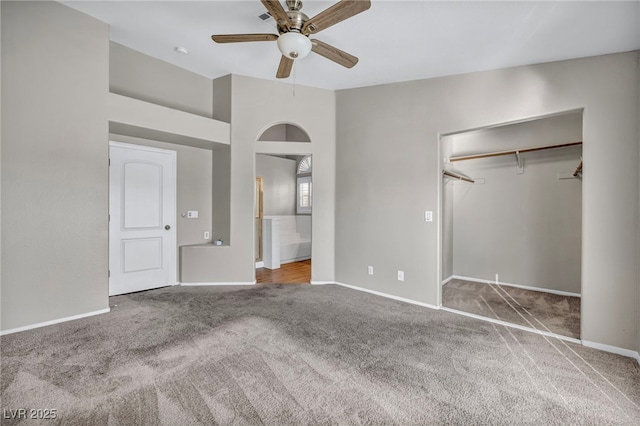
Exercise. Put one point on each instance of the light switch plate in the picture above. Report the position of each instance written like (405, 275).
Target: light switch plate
(428, 216)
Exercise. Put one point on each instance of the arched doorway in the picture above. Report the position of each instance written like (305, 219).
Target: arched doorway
(283, 206)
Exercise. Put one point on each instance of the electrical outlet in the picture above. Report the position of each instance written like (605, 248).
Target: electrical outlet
(370, 270)
(206, 235)
(400, 275)
(428, 216)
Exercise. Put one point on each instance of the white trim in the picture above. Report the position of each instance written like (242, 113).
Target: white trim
(260, 264)
(524, 287)
(613, 349)
(56, 321)
(389, 296)
(322, 282)
(512, 325)
(137, 147)
(448, 279)
(215, 284)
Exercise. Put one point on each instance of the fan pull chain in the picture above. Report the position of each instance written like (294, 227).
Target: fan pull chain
(295, 72)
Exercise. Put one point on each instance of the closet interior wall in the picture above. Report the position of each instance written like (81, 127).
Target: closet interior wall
(521, 227)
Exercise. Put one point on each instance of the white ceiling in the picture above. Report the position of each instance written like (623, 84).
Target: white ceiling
(395, 40)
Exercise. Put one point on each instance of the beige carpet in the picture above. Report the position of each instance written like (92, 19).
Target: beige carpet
(534, 309)
(292, 355)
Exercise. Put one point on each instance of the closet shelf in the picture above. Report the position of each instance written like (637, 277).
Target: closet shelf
(511, 152)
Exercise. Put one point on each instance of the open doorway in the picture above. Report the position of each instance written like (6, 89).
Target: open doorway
(512, 223)
(284, 198)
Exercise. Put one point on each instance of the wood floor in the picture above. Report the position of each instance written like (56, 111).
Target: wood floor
(289, 273)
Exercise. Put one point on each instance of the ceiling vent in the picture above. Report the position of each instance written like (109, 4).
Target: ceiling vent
(266, 17)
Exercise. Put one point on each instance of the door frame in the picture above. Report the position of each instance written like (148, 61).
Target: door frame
(173, 233)
(259, 214)
(279, 152)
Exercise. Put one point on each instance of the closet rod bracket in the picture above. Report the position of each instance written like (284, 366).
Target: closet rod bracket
(519, 163)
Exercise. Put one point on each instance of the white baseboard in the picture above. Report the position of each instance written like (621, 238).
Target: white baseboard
(512, 325)
(56, 321)
(447, 280)
(389, 296)
(215, 284)
(613, 349)
(260, 264)
(322, 282)
(524, 287)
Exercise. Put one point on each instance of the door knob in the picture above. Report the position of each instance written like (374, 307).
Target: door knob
(167, 227)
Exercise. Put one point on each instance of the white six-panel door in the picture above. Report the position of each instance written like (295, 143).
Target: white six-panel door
(142, 218)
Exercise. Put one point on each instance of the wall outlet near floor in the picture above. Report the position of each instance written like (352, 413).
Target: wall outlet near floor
(400, 275)
(370, 270)
(206, 235)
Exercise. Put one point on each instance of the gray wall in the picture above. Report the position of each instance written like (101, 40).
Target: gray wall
(525, 227)
(388, 167)
(222, 164)
(447, 218)
(221, 200)
(0, 172)
(143, 77)
(279, 184)
(54, 163)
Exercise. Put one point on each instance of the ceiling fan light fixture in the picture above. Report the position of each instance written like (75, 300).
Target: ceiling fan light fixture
(294, 45)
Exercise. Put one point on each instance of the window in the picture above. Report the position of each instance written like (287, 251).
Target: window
(304, 166)
(304, 194)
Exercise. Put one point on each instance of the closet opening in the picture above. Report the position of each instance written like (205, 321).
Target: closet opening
(511, 228)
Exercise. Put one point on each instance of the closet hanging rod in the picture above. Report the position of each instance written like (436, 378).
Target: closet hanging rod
(511, 152)
(457, 176)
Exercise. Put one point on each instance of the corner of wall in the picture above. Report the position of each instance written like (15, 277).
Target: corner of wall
(222, 98)
(638, 224)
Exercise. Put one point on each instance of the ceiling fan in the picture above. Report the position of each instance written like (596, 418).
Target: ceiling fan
(294, 28)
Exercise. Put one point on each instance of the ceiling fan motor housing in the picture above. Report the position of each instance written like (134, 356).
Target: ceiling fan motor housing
(297, 19)
(294, 4)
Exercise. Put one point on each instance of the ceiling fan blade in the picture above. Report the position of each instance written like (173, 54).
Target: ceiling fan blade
(333, 53)
(239, 38)
(277, 11)
(337, 13)
(284, 69)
